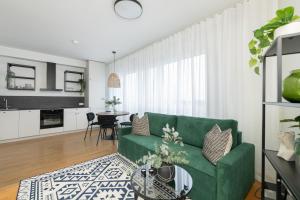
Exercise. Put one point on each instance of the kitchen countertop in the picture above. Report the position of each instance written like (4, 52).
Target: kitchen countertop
(17, 109)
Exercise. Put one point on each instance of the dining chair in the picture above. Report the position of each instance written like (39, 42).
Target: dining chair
(90, 118)
(107, 122)
(130, 121)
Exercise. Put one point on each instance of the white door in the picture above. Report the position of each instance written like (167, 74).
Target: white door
(29, 124)
(9, 124)
(70, 119)
(81, 118)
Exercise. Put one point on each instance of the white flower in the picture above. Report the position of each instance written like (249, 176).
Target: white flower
(175, 134)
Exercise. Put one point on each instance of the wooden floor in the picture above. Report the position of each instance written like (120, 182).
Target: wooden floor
(20, 160)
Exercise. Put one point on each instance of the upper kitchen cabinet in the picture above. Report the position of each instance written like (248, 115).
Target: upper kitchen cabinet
(9, 128)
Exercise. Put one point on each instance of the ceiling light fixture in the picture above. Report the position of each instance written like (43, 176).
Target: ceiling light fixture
(75, 41)
(128, 9)
(113, 80)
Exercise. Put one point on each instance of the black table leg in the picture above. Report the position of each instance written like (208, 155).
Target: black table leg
(278, 187)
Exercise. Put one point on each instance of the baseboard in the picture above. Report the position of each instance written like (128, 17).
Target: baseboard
(41, 136)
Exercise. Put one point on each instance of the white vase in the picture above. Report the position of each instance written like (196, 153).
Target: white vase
(291, 28)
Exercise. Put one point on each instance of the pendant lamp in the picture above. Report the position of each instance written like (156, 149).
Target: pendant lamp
(113, 78)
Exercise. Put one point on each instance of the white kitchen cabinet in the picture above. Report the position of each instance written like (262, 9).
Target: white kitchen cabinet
(9, 121)
(70, 119)
(29, 123)
(75, 119)
(81, 118)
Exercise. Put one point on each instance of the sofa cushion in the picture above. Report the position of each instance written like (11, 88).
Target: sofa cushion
(158, 121)
(193, 129)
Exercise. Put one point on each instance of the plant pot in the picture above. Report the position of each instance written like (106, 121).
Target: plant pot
(166, 173)
(291, 87)
(291, 28)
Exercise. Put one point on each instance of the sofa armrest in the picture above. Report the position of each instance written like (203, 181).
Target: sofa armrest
(235, 173)
(124, 131)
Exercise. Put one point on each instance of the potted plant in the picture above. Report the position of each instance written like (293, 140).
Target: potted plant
(297, 142)
(82, 85)
(264, 36)
(164, 158)
(113, 102)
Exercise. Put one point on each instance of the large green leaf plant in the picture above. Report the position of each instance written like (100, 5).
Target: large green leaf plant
(264, 36)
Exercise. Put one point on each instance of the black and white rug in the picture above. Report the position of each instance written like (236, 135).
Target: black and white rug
(106, 178)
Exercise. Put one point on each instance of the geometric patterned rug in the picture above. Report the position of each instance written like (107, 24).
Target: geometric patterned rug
(105, 178)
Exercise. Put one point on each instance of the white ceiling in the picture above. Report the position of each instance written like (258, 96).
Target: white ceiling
(49, 26)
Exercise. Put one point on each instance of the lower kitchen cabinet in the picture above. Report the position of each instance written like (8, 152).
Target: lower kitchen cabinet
(9, 125)
(75, 119)
(29, 124)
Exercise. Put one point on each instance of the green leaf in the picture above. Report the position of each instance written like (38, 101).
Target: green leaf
(297, 119)
(264, 42)
(271, 35)
(296, 17)
(287, 120)
(258, 33)
(288, 13)
(253, 51)
(256, 70)
(295, 126)
(252, 44)
(280, 13)
(252, 62)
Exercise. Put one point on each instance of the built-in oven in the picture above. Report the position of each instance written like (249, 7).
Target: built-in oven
(52, 118)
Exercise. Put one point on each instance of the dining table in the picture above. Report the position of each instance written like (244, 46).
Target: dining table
(115, 114)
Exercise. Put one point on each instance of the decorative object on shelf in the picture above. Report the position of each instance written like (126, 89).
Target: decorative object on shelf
(264, 36)
(128, 9)
(112, 103)
(291, 87)
(287, 146)
(297, 142)
(297, 152)
(164, 158)
(113, 80)
(11, 82)
(77, 81)
(28, 82)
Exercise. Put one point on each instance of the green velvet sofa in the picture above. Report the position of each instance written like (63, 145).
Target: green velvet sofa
(230, 179)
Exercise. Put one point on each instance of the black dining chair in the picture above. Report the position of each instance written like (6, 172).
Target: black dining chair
(130, 121)
(107, 122)
(90, 117)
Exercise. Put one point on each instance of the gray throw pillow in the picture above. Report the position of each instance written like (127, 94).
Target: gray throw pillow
(217, 144)
(140, 126)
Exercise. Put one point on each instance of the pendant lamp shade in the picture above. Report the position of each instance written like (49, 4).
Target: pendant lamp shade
(113, 80)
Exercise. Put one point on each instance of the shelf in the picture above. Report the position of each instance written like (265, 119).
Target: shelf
(32, 89)
(22, 77)
(290, 45)
(73, 72)
(283, 104)
(287, 170)
(72, 81)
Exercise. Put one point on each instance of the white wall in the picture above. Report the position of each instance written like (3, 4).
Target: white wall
(96, 85)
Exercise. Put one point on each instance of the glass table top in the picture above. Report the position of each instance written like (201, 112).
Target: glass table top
(149, 187)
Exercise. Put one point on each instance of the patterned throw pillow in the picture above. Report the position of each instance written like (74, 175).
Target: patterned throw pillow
(140, 126)
(217, 144)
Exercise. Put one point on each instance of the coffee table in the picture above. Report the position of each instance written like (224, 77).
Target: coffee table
(150, 188)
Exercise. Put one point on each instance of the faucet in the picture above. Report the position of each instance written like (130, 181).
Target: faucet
(5, 101)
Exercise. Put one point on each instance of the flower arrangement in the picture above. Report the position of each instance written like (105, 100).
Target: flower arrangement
(112, 102)
(163, 154)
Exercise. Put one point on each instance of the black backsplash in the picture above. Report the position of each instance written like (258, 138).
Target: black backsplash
(41, 102)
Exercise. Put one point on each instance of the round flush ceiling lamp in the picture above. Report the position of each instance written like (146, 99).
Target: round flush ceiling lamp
(113, 80)
(128, 9)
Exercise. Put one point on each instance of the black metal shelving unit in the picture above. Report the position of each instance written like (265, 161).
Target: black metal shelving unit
(9, 66)
(287, 176)
(66, 81)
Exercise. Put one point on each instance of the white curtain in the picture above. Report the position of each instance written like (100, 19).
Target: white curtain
(201, 71)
